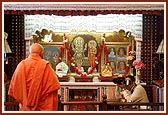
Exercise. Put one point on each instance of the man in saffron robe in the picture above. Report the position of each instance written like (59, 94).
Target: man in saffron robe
(34, 83)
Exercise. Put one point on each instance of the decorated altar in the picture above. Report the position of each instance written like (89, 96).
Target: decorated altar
(88, 54)
(86, 91)
(86, 62)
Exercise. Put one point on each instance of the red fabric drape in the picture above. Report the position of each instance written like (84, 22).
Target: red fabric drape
(83, 12)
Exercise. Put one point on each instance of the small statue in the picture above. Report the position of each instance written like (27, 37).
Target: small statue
(107, 71)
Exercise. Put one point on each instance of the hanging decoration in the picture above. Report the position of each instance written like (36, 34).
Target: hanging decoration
(126, 70)
(105, 48)
(61, 54)
(106, 53)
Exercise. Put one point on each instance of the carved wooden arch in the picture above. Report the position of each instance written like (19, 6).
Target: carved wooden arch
(119, 36)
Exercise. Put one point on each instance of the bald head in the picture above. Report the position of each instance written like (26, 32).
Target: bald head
(36, 48)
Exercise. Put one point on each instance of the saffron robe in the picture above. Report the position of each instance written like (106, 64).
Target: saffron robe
(35, 85)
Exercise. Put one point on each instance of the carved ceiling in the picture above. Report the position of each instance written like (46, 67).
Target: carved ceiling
(83, 6)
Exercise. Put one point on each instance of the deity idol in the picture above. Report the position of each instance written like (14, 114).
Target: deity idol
(79, 49)
(92, 50)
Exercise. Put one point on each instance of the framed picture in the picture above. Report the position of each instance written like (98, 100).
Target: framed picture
(122, 53)
(119, 43)
(117, 56)
(111, 53)
(113, 66)
(51, 53)
(121, 65)
(84, 49)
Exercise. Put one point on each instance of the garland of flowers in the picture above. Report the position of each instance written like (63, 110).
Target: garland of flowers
(130, 59)
(106, 53)
(61, 54)
(102, 46)
(126, 71)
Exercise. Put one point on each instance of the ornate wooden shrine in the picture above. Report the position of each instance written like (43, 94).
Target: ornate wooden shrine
(93, 60)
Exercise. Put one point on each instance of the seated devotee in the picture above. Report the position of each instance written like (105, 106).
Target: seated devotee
(133, 92)
(34, 83)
